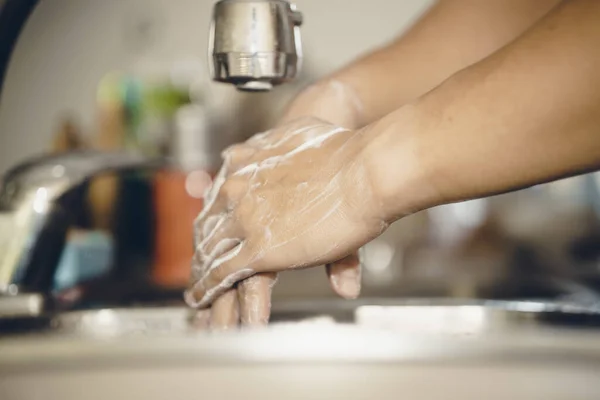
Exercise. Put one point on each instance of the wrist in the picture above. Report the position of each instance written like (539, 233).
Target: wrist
(393, 156)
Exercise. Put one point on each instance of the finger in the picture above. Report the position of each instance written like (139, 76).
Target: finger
(212, 191)
(209, 219)
(224, 313)
(254, 297)
(224, 272)
(212, 223)
(225, 237)
(200, 258)
(345, 276)
(214, 204)
(212, 207)
(207, 226)
(203, 257)
(201, 320)
(204, 230)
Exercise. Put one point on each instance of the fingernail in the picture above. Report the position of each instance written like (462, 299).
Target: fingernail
(350, 286)
(347, 282)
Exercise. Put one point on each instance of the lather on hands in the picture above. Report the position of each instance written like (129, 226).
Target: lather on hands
(297, 196)
(331, 101)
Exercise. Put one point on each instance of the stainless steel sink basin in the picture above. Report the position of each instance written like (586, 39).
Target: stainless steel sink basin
(417, 316)
(350, 350)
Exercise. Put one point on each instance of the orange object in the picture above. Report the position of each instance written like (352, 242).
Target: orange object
(178, 200)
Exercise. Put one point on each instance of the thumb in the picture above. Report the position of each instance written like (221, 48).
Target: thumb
(345, 276)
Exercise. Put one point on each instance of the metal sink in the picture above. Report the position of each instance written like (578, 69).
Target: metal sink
(415, 316)
(422, 349)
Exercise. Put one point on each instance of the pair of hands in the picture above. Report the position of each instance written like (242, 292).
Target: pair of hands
(294, 197)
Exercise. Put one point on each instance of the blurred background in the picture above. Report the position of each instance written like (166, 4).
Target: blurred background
(132, 75)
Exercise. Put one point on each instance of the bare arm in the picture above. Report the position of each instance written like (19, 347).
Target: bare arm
(450, 36)
(528, 114)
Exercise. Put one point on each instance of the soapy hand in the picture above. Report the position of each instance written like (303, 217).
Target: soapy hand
(294, 197)
(331, 101)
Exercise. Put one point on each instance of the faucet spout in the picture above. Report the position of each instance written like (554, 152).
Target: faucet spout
(35, 199)
(255, 44)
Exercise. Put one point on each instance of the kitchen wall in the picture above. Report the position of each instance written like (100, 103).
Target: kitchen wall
(67, 46)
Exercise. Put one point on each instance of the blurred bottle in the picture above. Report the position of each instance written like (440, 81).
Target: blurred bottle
(121, 204)
(68, 136)
(179, 192)
(87, 254)
(104, 190)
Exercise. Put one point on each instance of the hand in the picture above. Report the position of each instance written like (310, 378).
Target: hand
(299, 197)
(332, 101)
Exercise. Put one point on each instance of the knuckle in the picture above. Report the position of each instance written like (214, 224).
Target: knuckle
(238, 212)
(226, 189)
(243, 208)
(232, 189)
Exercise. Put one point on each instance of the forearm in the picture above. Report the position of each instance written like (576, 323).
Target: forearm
(449, 37)
(528, 114)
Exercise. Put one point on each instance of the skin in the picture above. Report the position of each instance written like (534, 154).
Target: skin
(333, 102)
(528, 95)
(452, 35)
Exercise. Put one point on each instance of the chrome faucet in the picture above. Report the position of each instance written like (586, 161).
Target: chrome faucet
(255, 44)
(36, 198)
